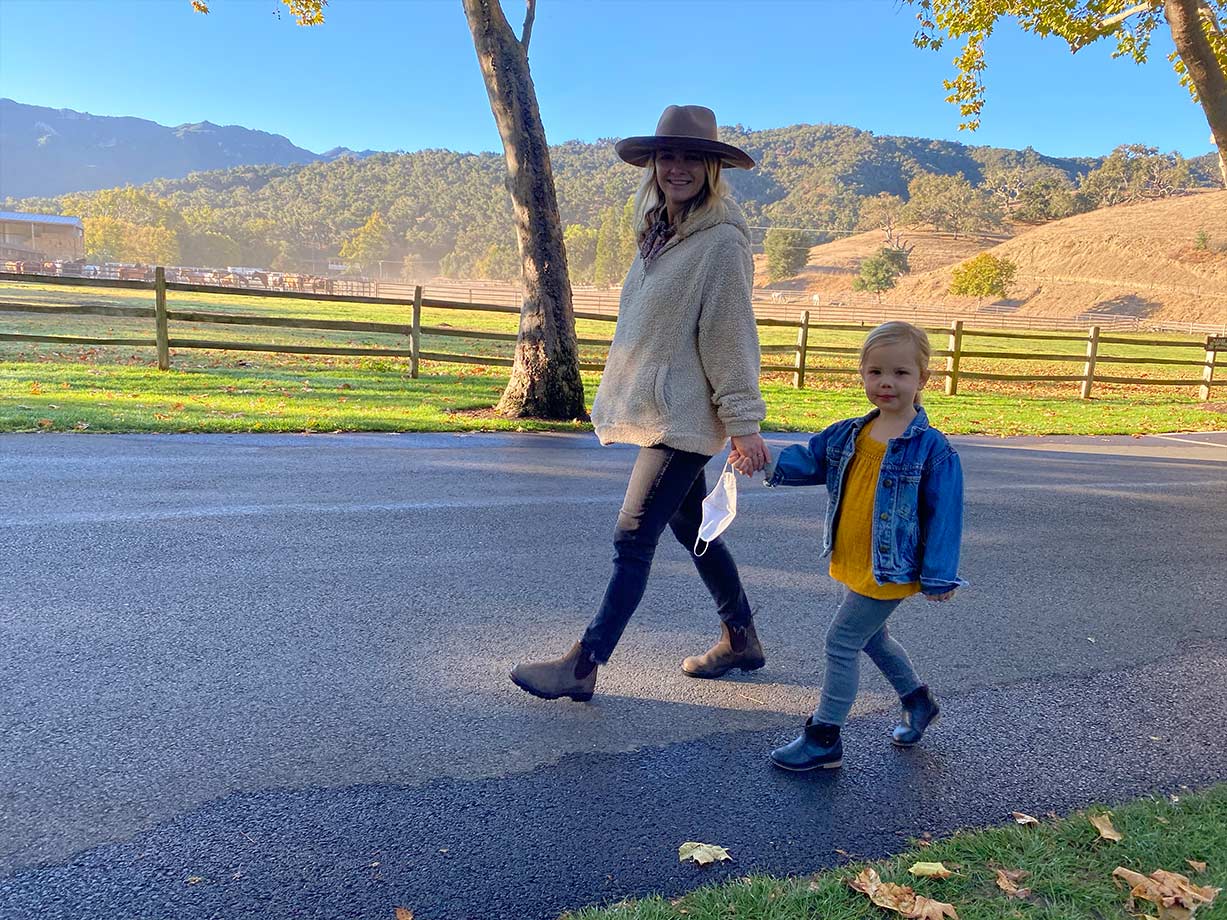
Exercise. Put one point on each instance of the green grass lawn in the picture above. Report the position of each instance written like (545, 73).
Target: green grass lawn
(1069, 871)
(46, 386)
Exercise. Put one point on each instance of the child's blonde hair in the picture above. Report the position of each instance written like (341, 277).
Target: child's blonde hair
(894, 333)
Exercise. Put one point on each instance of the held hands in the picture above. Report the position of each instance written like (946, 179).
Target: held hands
(938, 598)
(749, 454)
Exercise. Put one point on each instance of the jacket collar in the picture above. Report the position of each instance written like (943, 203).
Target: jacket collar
(727, 213)
(916, 426)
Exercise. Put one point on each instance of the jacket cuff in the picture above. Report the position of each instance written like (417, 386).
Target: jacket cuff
(741, 429)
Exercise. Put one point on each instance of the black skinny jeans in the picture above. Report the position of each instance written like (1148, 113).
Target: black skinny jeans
(667, 488)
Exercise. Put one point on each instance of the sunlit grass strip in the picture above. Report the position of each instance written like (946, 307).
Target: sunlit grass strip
(1069, 871)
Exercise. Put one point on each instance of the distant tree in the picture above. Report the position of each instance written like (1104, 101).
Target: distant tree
(1134, 172)
(498, 263)
(370, 243)
(897, 258)
(628, 237)
(787, 252)
(883, 212)
(605, 272)
(1200, 58)
(949, 203)
(581, 252)
(1046, 199)
(983, 276)
(110, 239)
(879, 273)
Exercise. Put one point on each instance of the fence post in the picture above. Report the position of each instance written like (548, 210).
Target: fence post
(415, 333)
(798, 375)
(1088, 371)
(1207, 371)
(952, 360)
(161, 327)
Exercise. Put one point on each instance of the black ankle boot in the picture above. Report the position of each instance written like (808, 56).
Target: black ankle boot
(818, 747)
(920, 711)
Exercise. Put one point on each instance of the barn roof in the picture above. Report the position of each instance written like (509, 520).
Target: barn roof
(40, 218)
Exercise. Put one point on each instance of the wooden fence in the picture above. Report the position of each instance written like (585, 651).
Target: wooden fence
(800, 352)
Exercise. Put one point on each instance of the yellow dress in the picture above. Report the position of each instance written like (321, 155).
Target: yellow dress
(852, 555)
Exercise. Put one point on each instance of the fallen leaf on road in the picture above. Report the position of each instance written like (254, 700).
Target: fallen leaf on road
(929, 870)
(1024, 819)
(1103, 824)
(701, 853)
(1175, 896)
(1196, 866)
(404, 913)
(1008, 879)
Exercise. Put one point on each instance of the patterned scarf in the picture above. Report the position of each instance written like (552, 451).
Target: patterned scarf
(654, 241)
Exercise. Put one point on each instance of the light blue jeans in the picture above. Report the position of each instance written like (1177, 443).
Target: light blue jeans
(860, 626)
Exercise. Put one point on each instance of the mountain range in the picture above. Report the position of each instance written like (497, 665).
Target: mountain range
(45, 152)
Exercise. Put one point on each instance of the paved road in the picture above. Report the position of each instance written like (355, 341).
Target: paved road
(276, 664)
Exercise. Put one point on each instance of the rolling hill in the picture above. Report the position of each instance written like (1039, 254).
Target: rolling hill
(1133, 260)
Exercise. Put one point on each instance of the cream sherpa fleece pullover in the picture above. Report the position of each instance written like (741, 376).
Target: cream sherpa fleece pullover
(683, 366)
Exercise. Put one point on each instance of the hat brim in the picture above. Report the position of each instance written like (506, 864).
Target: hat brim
(638, 151)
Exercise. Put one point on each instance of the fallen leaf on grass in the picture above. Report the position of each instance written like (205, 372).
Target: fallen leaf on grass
(1024, 819)
(1175, 896)
(1196, 866)
(1103, 824)
(1008, 879)
(929, 870)
(929, 909)
(702, 853)
(900, 898)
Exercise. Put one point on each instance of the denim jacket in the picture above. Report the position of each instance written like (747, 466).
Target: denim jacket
(918, 507)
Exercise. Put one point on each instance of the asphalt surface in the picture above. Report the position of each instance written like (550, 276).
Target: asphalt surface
(265, 676)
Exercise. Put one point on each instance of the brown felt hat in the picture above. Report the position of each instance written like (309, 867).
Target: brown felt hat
(690, 127)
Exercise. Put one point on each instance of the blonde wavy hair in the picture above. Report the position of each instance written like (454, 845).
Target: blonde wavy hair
(897, 332)
(650, 200)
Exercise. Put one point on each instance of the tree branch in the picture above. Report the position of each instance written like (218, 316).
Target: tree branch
(529, 15)
(1106, 24)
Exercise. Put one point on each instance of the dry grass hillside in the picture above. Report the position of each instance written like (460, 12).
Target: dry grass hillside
(1134, 260)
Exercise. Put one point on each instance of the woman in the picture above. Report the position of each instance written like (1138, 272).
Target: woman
(680, 380)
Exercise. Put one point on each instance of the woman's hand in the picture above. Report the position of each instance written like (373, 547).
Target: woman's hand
(937, 598)
(749, 454)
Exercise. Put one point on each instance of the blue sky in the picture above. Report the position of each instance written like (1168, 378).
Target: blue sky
(402, 74)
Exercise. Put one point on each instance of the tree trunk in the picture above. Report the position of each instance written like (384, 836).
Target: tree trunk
(1203, 68)
(545, 381)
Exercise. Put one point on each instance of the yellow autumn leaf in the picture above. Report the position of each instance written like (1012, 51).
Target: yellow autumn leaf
(865, 882)
(1103, 824)
(702, 854)
(900, 898)
(929, 909)
(1007, 881)
(1024, 819)
(1175, 896)
(929, 870)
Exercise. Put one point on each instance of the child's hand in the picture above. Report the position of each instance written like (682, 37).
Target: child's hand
(749, 454)
(938, 598)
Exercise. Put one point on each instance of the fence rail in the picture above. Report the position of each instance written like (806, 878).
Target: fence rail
(956, 334)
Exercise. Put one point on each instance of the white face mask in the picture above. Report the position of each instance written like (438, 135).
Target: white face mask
(719, 509)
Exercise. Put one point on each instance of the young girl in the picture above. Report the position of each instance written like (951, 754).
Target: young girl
(893, 525)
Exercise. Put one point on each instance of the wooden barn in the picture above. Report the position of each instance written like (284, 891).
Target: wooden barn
(41, 237)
